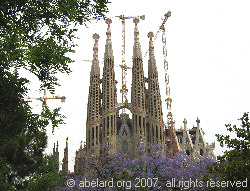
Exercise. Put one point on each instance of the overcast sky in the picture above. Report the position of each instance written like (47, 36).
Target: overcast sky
(208, 45)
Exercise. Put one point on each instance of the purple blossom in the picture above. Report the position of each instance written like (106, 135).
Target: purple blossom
(156, 170)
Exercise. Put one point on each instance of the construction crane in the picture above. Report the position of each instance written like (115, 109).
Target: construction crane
(168, 100)
(124, 66)
(170, 123)
(44, 100)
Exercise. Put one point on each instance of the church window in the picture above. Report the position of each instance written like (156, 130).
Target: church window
(104, 127)
(96, 132)
(89, 138)
(108, 125)
(160, 133)
(140, 122)
(111, 124)
(124, 131)
(100, 133)
(180, 140)
(153, 133)
(144, 126)
(201, 152)
(193, 140)
(114, 125)
(156, 131)
(136, 122)
(148, 126)
(187, 152)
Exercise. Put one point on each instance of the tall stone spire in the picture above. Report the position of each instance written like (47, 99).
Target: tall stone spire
(94, 103)
(56, 153)
(138, 93)
(109, 96)
(156, 124)
(65, 158)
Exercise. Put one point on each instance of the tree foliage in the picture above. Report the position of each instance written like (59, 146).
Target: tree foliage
(22, 142)
(35, 35)
(47, 176)
(234, 165)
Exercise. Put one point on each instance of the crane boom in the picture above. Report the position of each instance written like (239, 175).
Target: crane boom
(170, 123)
(44, 100)
(168, 100)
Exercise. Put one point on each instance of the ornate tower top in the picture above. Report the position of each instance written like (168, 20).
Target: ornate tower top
(152, 62)
(95, 63)
(95, 49)
(137, 46)
(108, 47)
(108, 33)
(150, 35)
(136, 20)
(151, 45)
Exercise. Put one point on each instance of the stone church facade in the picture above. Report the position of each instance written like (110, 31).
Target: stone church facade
(105, 125)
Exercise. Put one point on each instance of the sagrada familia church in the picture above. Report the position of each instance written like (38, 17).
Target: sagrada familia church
(107, 125)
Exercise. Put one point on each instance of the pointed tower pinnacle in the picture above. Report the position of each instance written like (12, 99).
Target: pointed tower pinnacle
(94, 102)
(156, 125)
(65, 158)
(197, 137)
(56, 154)
(95, 63)
(57, 146)
(137, 46)
(152, 62)
(109, 96)
(138, 93)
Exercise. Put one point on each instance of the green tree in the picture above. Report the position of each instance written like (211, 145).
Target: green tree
(21, 143)
(234, 165)
(35, 35)
(47, 177)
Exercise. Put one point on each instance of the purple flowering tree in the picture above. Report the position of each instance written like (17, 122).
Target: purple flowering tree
(151, 171)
